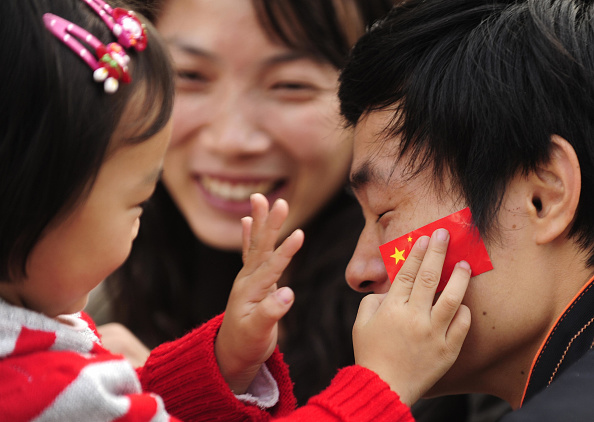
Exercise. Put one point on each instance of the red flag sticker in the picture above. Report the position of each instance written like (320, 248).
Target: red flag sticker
(465, 245)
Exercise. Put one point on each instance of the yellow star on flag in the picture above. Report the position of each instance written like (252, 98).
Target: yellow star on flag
(409, 239)
(398, 256)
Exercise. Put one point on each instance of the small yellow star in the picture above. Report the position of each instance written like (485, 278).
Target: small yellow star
(409, 239)
(398, 256)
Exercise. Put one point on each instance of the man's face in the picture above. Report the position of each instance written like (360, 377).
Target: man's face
(506, 303)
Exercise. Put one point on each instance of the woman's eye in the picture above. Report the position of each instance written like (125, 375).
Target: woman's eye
(190, 75)
(191, 80)
(293, 91)
(292, 85)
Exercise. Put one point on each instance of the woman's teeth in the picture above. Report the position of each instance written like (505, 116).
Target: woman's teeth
(235, 191)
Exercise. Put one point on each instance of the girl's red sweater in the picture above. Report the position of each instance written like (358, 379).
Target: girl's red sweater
(52, 371)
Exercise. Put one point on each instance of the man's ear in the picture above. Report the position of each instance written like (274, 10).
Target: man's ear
(555, 192)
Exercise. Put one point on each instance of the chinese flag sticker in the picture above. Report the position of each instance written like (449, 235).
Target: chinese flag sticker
(465, 245)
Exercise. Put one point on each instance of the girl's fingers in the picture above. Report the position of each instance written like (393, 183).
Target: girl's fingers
(270, 271)
(367, 308)
(251, 227)
(246, 227)
(271, 309)
(448, 303)
(260, 213)
(425, 286)
(405, 279)
(267, 238)
(458, 329)
(265, 229)
(259, 205)
(278, 214)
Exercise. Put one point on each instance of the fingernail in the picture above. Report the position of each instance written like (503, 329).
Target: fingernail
(465, 265)
(284, 294)
(423, 242)
(279, 201)
(442, 234)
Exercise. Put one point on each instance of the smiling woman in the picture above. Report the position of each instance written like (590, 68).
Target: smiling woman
(255, 111)
(252, 115)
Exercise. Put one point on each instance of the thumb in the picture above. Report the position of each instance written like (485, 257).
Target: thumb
(368, 307)
(272, 308)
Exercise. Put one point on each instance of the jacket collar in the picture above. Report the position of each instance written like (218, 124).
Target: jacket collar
(568, 340)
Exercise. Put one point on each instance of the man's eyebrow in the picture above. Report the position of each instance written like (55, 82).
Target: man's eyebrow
(362, 176)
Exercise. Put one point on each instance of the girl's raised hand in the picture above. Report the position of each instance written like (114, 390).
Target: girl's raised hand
(405, 338)
(249, 331)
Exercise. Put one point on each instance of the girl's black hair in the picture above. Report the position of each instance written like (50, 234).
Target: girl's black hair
(172, 282)
(57, 124)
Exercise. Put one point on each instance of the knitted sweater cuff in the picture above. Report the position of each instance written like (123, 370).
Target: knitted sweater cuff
(186, 375)
(358, 394)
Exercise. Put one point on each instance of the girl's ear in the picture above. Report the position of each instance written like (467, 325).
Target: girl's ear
(555, 192)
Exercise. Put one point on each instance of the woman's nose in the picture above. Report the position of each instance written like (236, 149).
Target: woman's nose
(366, 271)
(233, 129)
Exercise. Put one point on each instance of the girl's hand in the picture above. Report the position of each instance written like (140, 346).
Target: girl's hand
(405, 338)
(249, 331)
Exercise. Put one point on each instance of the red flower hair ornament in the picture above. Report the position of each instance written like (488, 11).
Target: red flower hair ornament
(109, 62)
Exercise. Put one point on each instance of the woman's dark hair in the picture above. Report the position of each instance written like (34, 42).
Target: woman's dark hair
(57, 124)
(478, 88)
(172, 282)
(326, 29)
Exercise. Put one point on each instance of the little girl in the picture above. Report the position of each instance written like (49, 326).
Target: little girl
(86, 95)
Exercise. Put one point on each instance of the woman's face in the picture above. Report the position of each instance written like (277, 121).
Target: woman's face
(250, 115)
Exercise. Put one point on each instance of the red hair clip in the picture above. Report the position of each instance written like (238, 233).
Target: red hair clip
(109, 63)
(123, 23)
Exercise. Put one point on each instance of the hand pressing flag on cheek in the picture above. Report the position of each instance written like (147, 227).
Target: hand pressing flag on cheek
(465, 245)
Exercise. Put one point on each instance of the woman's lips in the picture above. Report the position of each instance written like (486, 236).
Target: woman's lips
(233, 195)
(235, 191)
